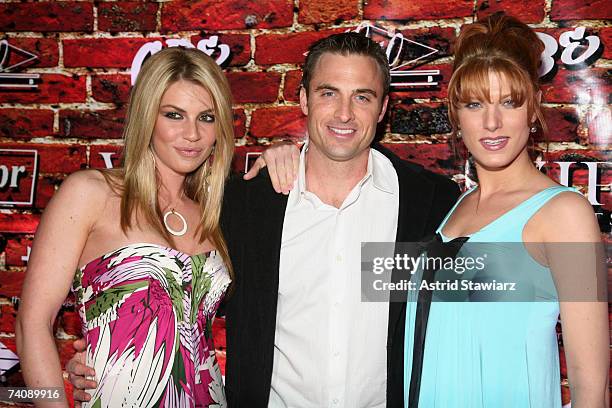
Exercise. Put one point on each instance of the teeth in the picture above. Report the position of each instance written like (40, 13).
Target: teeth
(341, 131)
(494, 142)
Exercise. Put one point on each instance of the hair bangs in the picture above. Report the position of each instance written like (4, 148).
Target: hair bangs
(472, 82)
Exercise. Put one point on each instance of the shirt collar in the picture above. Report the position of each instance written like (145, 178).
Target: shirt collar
(374, 171)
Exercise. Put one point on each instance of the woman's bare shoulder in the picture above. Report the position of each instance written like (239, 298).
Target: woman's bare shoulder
(91, 181)
(86, 190)
(570, 217)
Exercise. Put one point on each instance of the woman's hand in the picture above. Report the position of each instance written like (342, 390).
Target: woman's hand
(283, 161)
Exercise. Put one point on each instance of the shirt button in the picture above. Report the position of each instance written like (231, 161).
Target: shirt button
(338, 258)
(336, 354)
(335, 401)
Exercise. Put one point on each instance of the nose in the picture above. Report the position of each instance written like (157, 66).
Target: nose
(192, 132)
(492, 118)
(344, 110)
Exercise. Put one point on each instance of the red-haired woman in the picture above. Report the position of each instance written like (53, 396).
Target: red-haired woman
(500, 350)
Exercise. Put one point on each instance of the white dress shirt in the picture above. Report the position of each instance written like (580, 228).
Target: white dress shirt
(329, 346)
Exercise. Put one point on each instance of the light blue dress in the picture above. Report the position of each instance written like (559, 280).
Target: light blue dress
(492, 354)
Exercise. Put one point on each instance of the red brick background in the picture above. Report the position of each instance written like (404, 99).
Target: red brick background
(86, 48)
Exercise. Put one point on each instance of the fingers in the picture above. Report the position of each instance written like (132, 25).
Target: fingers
(295, 166)
(79, 374)
(76, 365)
(283, 172)
(283, 161)
(80, 396)
(79, 345)
(271, 162)
(254, 170)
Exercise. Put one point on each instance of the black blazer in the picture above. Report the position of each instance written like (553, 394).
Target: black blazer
(252, 221)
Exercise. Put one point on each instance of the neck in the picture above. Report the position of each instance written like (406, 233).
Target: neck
(171, 190)
(332, 180)
(511, 178)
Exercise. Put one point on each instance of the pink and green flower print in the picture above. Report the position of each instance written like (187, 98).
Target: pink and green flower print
(147, 314)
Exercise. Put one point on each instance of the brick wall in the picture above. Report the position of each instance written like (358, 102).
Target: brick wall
(86, 49)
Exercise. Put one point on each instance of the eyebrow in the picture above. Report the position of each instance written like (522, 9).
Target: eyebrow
(356, 91)
(209, 110)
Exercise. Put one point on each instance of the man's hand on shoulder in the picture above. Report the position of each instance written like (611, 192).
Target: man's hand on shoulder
(283, 161)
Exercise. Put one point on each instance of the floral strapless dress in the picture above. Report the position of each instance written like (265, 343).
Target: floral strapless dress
(147, 314)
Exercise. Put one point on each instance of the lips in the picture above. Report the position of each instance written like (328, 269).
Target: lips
(188, 151)
(494, 143)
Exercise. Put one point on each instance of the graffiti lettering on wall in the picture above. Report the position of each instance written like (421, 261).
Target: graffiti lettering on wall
(579, 51)
(11, 59)
(211, 46)
(398, 48)
(18, 175)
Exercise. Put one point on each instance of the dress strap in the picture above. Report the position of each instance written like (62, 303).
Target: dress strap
(452, 210)
(527, 209)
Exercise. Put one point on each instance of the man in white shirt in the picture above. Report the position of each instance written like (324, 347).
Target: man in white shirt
(298, 333)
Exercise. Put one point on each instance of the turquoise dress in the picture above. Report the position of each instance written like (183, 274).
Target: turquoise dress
(491, 354)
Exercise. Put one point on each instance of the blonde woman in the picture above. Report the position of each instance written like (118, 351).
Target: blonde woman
(141, 248)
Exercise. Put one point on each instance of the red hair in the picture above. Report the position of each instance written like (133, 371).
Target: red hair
(498, 44)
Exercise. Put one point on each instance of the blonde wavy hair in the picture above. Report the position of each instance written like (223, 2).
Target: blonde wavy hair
(137, 179)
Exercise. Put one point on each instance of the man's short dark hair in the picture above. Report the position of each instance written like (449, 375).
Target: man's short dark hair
(350, 43)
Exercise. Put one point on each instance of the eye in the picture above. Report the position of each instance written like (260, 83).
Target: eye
(363, 98)
(327, 93)
(173, 115)
(207, 117)
(509, 103)
(473, 105)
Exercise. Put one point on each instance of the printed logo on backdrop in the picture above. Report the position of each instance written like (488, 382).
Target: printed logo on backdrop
(210, 46)
(579, 51)
(403, 55)
(18, 175)
(8, 362)
(575, 49)
(13, 59)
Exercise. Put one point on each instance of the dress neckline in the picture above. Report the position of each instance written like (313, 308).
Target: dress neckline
(150, 244)
(488, 225)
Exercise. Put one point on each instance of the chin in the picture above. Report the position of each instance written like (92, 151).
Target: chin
(494, 163)
(187, 168)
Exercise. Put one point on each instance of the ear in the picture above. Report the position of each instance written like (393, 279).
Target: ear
(303, 101)
(383, 109)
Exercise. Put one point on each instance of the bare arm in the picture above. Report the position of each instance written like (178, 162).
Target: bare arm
(283, 161)
(59, 241)
(573, 250)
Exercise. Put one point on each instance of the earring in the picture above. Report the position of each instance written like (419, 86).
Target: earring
(207, 171)
(533, 129)
(458, 134)
(153, 157)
